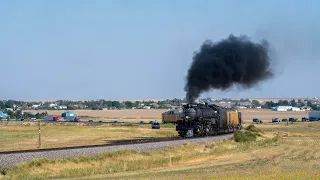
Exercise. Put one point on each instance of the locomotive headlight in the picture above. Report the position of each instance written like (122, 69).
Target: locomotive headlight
(187, 117)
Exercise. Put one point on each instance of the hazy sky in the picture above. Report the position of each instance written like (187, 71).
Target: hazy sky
(142, 49)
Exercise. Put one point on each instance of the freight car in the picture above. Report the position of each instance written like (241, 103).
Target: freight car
(207, 120)
(172, 116)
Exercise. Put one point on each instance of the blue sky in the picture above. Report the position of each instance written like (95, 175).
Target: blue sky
(123, 49)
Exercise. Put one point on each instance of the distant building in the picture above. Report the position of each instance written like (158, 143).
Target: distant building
(52, 105)
(282, 108)
(306, 108)
(294, 109)
(35, 106)
(242, 107)
(286, 108)
(62, 107)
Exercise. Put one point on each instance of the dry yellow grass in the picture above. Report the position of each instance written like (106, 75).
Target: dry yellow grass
(19, 136)
(113, 114)
(295, 155)
(267, 115)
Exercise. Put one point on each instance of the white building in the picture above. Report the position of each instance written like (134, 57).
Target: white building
(62, 107)
(35, 106)
(306, 108)
(52, 105)
(242, 107)
(286, 108)
(282, 108)
(295, 109)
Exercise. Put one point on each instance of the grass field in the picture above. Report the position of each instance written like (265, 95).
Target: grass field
(136, 115)
(25, 135)
(18, 135)
(280, 152)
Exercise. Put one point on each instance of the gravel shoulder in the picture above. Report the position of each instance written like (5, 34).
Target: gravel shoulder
(12, 159)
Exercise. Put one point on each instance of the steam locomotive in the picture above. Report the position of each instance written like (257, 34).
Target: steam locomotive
(200, 120)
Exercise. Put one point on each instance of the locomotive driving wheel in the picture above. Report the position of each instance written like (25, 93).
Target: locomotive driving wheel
(203, 129)
(198, 130)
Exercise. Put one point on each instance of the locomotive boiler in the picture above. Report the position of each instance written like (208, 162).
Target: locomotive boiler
(207, 120)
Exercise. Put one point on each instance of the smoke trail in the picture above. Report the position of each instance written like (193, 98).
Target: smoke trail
(231, 61)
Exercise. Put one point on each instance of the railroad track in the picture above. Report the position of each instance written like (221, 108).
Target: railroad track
(121, 142)
(10, 158)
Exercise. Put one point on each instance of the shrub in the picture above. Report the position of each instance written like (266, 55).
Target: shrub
(252, 128)
(240, 136)
(3, 171)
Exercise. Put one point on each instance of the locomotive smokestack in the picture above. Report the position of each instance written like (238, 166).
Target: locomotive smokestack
(231, 61)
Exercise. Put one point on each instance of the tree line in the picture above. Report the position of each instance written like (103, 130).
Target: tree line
(93, 104)
(164, 104)
(293, 102)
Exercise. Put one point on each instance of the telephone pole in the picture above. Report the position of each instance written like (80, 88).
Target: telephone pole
(39, 134)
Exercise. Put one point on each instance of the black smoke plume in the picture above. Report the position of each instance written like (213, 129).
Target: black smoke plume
(231, 61)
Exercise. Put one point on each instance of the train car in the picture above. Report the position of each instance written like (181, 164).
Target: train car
(172, 116)
(207, 120)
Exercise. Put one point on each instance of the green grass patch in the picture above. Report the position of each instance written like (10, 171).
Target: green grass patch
(244, 136)
(253, 128)
(250, 133)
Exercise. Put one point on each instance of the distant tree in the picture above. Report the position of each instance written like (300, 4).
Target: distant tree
(9, 103)
(270, 104)
(116, 104)
(309, 103)
(41, 115)
(136, 104)
(2, 105)
(18, 113)
(293, 102)
(128, 104)
(255, 103)
(244, 100)
(107, 104)
(300, 103)
(71, 107)
(283, 103)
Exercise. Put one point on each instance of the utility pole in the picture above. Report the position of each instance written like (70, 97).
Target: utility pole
(39, 134)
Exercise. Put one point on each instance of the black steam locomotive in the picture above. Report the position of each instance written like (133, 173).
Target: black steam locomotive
(207, 120)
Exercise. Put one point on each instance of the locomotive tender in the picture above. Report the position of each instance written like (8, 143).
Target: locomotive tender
(207, 120)
(172, 116)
